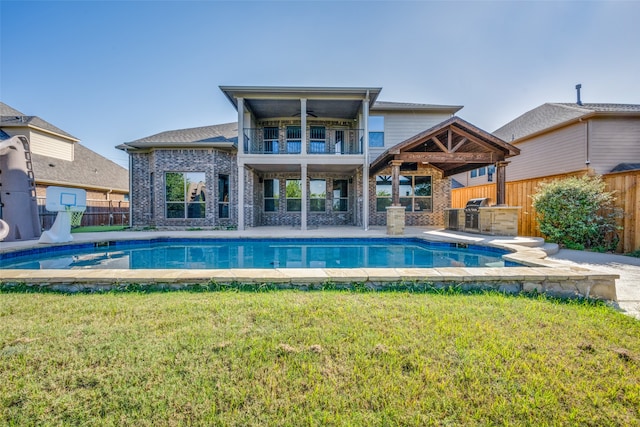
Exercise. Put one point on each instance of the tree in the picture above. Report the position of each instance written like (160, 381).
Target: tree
(577, 213)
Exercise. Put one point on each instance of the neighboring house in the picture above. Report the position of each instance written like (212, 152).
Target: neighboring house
(559, 138)
(307, 157)
(59, 159)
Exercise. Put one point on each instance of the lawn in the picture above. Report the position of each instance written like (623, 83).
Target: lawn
(315, 358)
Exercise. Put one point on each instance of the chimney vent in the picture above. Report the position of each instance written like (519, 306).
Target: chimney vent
(578, 87)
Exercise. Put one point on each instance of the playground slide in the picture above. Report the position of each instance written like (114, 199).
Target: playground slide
(18, 204)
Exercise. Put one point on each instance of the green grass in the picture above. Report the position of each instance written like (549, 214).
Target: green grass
(315, 358)
(98, 228)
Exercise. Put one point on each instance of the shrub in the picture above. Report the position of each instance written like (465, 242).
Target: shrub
(577, 213)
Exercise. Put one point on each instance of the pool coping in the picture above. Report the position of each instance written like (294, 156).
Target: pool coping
(540, 275)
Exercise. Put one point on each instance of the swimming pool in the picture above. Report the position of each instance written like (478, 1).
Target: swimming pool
(181, 253)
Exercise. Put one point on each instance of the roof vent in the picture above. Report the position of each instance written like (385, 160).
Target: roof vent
(578, 87)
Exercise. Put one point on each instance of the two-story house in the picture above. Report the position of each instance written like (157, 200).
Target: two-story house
(307, 157)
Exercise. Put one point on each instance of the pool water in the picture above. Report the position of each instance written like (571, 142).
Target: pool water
(168, 253)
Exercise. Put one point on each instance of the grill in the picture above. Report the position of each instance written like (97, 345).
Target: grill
(472, 212)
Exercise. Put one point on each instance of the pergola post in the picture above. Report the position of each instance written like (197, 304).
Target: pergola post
(501, 178)
(395, 182)
(395, 212)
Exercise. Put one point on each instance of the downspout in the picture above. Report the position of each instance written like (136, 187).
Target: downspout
(588, 146)
(130, 186)
(365, 169)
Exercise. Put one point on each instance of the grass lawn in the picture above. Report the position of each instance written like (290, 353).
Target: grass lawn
(315, 358)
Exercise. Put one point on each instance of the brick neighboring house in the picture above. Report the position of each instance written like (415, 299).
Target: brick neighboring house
(59, 159)
(560, 138)
(307, 157)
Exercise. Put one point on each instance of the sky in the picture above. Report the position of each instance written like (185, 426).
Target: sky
(110, 72)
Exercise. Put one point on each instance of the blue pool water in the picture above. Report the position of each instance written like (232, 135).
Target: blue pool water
(255, 253)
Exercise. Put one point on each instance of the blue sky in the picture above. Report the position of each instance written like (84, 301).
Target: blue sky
(114, 71)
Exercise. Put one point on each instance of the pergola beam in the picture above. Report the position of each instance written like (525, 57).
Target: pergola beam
(434, 157)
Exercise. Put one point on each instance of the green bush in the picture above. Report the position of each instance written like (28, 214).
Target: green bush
(577, 213)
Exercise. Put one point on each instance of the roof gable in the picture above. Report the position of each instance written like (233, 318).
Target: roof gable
(453, 146)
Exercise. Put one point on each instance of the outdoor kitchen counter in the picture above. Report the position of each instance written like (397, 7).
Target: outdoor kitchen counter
(492, 220)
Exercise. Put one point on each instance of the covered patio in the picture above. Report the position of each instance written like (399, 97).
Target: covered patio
(451, 147)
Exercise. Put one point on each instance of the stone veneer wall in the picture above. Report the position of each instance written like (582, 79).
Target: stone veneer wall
(148, 210)
(440, 193)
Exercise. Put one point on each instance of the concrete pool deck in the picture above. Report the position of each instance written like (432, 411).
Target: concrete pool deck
(542, 274)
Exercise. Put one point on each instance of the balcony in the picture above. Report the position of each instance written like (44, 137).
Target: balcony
(320, 140)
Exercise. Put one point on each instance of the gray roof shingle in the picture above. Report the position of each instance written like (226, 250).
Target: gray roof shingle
(88, 169)
(10, 117)
(223, 133)
(552, 114)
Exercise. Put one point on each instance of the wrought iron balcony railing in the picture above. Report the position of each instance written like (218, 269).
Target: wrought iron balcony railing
(319, 141)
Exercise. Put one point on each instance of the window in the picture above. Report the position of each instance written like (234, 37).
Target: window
(317, 139)
(318, 195)
(223, 196)
(294, 195)
(294, 139)
(376, 131)
(383, 192)
(340, 195)
(271, 195)
(490, 171)
(185, 194)
(270, 137)
(415, 193)
(478, 172)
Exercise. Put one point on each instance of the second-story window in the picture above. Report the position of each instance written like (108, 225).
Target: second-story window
(317, 139)
(294, 139)
(376, 131)
(270, 137)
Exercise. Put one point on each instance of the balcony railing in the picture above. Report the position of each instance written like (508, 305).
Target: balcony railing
(336, 141)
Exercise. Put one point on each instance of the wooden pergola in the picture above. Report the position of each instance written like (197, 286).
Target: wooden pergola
(453, 146)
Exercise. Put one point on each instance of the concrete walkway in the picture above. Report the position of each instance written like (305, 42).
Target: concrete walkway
(627, 286)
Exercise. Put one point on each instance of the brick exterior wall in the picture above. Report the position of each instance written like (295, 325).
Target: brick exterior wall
(148, 185)
(440, 194)
(148, 212)
(314, 219)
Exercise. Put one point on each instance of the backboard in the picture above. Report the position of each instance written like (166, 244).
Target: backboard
(62, 199)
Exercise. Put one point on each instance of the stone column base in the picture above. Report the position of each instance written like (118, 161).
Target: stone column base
(395, 220)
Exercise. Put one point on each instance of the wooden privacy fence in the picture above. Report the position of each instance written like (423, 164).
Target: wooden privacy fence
(99, 212)
(626, 186)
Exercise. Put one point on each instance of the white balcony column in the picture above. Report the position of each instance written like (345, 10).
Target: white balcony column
(240, 126)
(303, 207)
(365, 166)
(240, 195)
(303, 126)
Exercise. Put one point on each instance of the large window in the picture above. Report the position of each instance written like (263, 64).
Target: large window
(223, 196)
(340, 195)
(294, 195)
(185, 194)
(383, 192)
(415, 193)
(318, 195)
(270, 137)
(271, 195)
(376, 131)
(317, 138)
(294, 139)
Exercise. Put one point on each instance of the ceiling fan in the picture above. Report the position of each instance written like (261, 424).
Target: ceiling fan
(310, 113)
